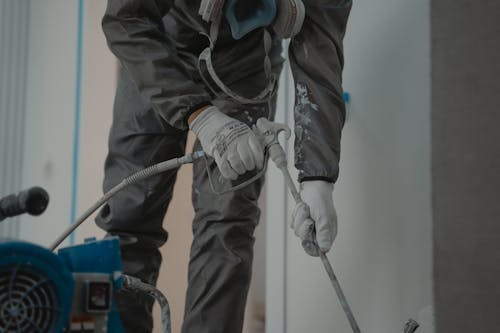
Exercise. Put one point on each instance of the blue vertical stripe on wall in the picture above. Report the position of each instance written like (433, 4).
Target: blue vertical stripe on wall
(76, 137)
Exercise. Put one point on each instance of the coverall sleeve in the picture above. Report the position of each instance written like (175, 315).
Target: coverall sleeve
(316, 59)
(137, 37)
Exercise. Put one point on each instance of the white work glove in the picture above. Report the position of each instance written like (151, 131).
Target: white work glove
(316, 210)
(230, 142)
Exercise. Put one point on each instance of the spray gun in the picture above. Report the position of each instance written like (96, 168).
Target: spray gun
(268, 133)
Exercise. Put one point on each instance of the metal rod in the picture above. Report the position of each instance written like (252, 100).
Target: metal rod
(291, 184)
(135, 284)
(324, 259)
(340, 293)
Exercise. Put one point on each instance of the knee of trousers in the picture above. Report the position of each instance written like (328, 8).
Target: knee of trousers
(220, 269)
(222, 252)
(239, 207)
(141, 260)
(226, 221)
(135, 218)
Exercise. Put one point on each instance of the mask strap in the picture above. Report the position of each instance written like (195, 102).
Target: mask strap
(206, 57)
(268, 44)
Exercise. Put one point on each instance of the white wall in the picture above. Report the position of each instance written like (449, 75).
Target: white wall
(51, 109)
(100, 71)
(382, 255)
(14, 18)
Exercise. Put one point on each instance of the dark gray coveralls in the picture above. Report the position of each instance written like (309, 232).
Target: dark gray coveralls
(158, 43)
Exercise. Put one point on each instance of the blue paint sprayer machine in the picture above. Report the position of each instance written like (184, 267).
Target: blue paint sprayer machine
(73, 289)
(69, 291)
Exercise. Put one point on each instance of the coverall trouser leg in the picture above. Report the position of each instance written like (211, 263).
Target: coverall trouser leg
(138, 138)
(220, 265)
(222, 249)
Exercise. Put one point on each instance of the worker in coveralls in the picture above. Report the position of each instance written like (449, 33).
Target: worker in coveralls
(212, 67)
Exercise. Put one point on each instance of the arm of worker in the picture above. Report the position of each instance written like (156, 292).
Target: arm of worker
(316, 58)
(135, 34)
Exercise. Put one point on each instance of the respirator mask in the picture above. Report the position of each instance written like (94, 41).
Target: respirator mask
(284, 17)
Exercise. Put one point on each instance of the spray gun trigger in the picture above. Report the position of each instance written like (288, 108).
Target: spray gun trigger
(268, 131)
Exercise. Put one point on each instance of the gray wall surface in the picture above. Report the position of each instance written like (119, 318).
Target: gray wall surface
(466, 164)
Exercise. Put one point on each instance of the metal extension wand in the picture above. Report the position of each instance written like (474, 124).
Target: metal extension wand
(269, 132)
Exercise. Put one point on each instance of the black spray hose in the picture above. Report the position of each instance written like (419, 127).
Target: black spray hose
(131, 283)
(133, 179)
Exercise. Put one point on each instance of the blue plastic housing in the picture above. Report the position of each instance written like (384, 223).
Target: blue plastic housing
(45, 263)
(93, 256)
(99, 257)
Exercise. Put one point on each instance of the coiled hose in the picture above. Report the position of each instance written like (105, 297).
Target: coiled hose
(131, 283)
